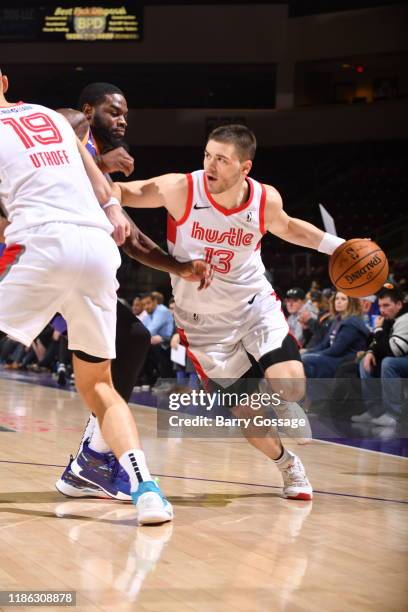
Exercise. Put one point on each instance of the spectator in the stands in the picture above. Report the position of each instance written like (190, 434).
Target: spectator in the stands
(370, 310)
(11, 353)
(315, 328)
(137, 308)
(296, 304)
(158, 296)
(346, 335)
(160, 324)
(387, 359)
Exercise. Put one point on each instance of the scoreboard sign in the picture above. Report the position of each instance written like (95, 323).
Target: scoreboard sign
(72, 22)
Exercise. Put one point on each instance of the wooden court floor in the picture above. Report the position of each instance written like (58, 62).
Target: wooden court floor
(235, 544)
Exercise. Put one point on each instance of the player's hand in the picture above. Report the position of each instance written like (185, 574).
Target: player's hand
(135, 243)
(117, 160)
(156, 339)
(369, 362)
(120, 223)
(197, 271)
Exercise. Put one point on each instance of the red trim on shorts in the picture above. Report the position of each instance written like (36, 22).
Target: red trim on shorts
(230, 211)
(189, 202)
(295, 339)
(262, 210)
(196, 363)
(10, 256)
(171, 229)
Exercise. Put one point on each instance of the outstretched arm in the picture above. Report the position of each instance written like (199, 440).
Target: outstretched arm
(140, 247)
(295, 230)
(169, 190)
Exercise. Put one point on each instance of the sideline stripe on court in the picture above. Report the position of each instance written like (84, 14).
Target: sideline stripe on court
(246, 484)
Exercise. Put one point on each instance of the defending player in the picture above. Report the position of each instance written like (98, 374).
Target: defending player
(102, 127)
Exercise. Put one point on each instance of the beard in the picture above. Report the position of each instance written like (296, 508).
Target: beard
(105, 136)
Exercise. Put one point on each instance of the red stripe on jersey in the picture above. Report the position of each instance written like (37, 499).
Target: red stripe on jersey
(171, 229)
(262, 211)
(203, 376)
(10, 256)
(230, 211)
(189, 202)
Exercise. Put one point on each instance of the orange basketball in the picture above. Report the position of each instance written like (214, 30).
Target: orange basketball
(358, 267)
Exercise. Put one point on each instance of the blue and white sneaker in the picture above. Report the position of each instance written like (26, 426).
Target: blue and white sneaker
(152, 507)
(72, 486)
(102, 470)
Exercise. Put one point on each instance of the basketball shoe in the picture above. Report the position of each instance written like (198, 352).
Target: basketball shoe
(152, 507)
(295, 482)
(102, 470)
(72, 486)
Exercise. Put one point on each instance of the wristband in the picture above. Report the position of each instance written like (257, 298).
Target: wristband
(111, 202)
(329, 243)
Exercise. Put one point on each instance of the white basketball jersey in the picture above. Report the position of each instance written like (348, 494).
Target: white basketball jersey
(42, 177)
(229, 239)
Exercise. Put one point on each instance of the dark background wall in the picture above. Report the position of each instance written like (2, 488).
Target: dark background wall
(323, 84)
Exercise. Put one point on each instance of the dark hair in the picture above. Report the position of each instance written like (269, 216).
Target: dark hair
(391, 292)
(95, 93)
(158, 296)
(153, 295)
(240, 136)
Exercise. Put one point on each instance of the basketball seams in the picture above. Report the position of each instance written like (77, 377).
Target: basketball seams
(357, 262)
(367, 263)
(340, 250)
(385, 263)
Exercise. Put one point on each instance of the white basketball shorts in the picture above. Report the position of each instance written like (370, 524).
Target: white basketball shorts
(218, 343)
(65, 268)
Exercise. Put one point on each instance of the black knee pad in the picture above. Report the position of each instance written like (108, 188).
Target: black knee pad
(289, 351)
(89, 358)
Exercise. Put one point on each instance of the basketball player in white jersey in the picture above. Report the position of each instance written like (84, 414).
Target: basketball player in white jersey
(222, 213)
(60, 257)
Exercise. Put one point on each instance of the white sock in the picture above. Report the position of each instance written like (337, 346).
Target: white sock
(89, 427)
(283, 461)
(96, 442)
(134, 463)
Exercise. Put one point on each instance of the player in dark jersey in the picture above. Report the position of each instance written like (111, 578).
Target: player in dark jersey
(101, 126)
